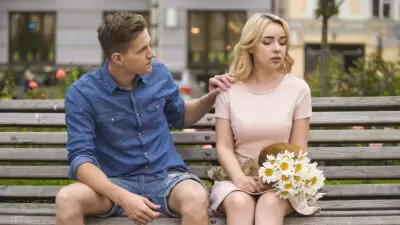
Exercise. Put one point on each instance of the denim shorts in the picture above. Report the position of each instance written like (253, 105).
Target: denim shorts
(155, 187)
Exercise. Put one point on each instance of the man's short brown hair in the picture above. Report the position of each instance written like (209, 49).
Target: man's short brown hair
(117, 31)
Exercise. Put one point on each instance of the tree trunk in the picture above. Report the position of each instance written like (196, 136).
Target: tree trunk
(324, 49)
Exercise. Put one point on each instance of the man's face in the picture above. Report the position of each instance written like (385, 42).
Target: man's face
(137, 59)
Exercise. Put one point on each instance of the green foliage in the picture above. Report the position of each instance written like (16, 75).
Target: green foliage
(371, 76)
(7, 85)
(331, 9)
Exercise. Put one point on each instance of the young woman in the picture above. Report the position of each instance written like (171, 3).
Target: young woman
(266, 105)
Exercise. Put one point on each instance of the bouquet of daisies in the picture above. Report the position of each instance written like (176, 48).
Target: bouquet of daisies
(289, 171)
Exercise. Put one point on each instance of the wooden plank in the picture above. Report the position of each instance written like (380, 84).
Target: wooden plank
(48, 209)
(356, 103)
(333, 207)
(58, 120)
(386, 118)
(334, 172)
(318, 103)
(335, 192)
(208, 137)
(330, 172)
(210, 154)
(310, 220)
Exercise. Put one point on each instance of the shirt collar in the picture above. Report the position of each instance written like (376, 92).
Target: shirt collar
(110, 83)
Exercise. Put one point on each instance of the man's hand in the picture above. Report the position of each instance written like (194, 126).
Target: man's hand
(137, 208)
(220, 82)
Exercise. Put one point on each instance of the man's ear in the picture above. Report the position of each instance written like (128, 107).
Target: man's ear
(117, 59)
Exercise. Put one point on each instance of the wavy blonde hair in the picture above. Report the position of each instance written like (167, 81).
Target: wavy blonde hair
(243, 64)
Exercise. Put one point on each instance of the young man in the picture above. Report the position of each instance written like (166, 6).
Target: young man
(119, 144)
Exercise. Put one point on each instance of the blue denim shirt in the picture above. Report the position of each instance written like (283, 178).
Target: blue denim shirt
(124, 132)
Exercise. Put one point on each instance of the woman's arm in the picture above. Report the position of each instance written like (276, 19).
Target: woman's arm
(300, 133)
(227, 158)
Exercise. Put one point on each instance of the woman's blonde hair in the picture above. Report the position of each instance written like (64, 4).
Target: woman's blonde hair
(242, 64)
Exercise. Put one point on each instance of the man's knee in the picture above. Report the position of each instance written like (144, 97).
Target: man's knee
(67, 205)
(191, 197)
(78, 199)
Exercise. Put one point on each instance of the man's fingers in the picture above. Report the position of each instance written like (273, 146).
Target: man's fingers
(151, 204)
(149, 209)
(145, 217)
(231, 78)
(216, 82)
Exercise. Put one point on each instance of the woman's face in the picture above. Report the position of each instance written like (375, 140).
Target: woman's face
(271, 49)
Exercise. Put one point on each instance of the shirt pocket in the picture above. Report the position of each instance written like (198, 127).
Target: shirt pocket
(153, 113)
(113, 125)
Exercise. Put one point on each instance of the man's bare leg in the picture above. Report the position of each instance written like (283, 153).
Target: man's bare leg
(77, 200)
(190, 200)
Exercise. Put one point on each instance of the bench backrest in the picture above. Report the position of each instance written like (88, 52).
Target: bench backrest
(345, 134)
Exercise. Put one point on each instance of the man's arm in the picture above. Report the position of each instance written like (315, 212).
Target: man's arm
(196, 109)
(81, 148)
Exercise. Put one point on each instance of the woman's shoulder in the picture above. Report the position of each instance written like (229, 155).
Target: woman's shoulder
(297, 83)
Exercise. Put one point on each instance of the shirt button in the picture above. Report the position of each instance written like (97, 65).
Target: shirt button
(145, 153)
(137, 114)
(112, 119)
(139, 134)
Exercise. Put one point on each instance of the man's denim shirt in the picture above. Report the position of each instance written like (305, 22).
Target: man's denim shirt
(124, 132)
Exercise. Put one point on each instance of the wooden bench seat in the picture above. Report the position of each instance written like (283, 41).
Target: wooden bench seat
(33, 160)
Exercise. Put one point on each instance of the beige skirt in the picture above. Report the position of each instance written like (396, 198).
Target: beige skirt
(221, 189)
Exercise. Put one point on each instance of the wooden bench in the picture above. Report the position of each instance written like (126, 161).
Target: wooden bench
(30, 155)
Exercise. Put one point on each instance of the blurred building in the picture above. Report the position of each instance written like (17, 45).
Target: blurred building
(193, 37)
(361, 28)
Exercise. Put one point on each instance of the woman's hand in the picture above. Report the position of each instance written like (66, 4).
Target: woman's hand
(247, 183)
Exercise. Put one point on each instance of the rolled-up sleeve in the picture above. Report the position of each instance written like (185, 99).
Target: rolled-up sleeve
(175, 106)
(81, 131)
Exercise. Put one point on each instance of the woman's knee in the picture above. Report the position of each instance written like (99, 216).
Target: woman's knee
(238, 200)
(272, 203)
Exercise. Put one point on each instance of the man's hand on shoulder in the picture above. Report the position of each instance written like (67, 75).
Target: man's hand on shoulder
(220, 83)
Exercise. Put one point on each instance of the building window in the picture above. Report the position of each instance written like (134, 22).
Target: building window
(212, 37)
(382, 8)
(32, 37)
(145, 14)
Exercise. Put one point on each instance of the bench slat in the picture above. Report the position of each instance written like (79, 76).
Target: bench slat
(202, 155)
(332, 191)
(386, 118)
(48, 209)
(208, 137)
(318, 103)
(327, 206)
(312, 220)
(331, 172)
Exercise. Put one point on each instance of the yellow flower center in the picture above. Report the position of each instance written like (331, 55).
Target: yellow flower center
(298, 168)
(284, 178)
(268, 172)
(288, 185)
(314, 180)
(272, 161)
(284, 192)
(296, 178)
(284, 166)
